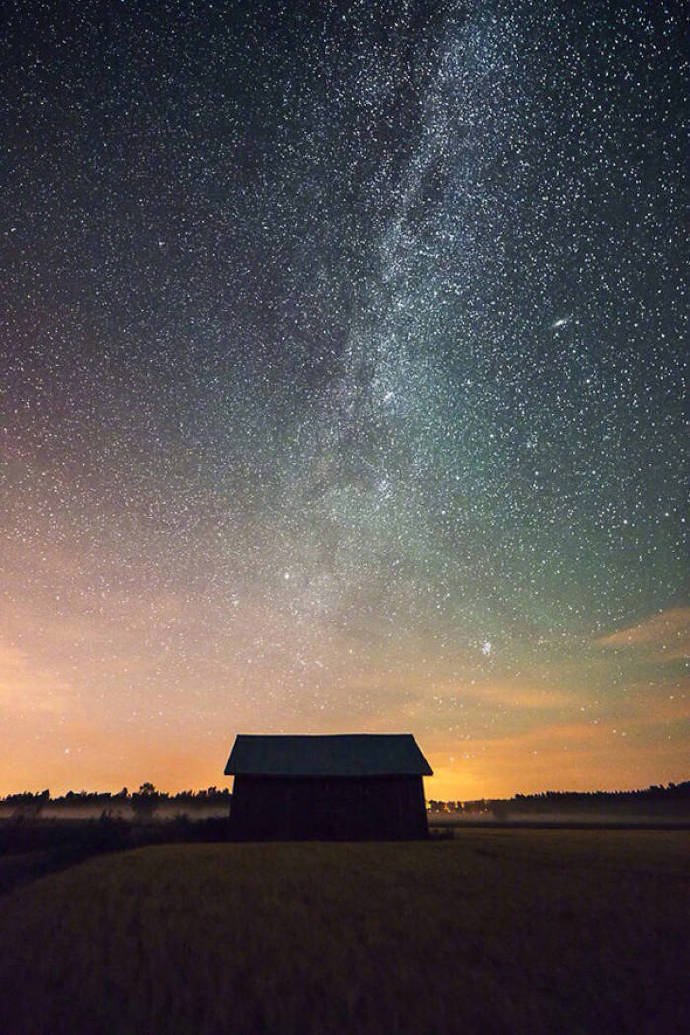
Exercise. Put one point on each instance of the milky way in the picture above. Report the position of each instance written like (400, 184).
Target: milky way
(341, 374)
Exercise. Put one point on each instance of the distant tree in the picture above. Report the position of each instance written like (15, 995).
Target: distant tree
(28, 805)
(145, 802)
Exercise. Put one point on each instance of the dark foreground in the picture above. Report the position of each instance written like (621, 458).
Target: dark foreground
(495, 931)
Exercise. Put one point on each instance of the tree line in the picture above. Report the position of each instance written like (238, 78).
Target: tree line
(146, 790)
(671, 794)
(143, 802)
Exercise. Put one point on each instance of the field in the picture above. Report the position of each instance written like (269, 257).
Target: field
(494, 931)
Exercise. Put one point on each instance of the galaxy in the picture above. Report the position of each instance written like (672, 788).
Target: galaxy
(341, 388)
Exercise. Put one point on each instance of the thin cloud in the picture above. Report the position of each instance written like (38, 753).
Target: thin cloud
(666, 633)
(26, 687)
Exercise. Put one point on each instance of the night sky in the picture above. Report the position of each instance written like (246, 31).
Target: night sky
(341, 359)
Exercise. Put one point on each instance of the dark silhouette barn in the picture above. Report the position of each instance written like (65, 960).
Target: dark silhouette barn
(350, 786)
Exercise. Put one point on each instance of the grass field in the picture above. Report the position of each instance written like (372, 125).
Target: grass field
(494, 931)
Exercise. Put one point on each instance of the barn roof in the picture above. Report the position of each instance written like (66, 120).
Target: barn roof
(346, 754)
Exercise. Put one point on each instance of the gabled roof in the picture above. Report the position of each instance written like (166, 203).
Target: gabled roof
(346, 754)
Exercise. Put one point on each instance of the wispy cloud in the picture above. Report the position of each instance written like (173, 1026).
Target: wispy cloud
(25, 687)
(666, 634)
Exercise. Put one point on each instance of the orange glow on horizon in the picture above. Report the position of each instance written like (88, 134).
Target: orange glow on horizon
(561, 728)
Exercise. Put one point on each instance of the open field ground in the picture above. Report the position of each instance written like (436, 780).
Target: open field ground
(493, 931)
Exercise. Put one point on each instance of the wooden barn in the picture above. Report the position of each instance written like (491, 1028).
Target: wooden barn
(346, 787)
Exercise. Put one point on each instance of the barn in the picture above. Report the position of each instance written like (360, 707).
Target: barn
(350, 786)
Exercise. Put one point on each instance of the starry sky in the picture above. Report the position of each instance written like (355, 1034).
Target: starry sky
(341, 361)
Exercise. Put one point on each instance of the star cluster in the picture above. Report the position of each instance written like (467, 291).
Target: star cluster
(341, 360)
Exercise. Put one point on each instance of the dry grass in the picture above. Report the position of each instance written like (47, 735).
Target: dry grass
(495, 931)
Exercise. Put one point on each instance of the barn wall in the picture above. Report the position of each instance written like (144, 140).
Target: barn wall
(328, 808)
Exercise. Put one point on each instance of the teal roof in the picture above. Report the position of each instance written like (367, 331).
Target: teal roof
(345, 754)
